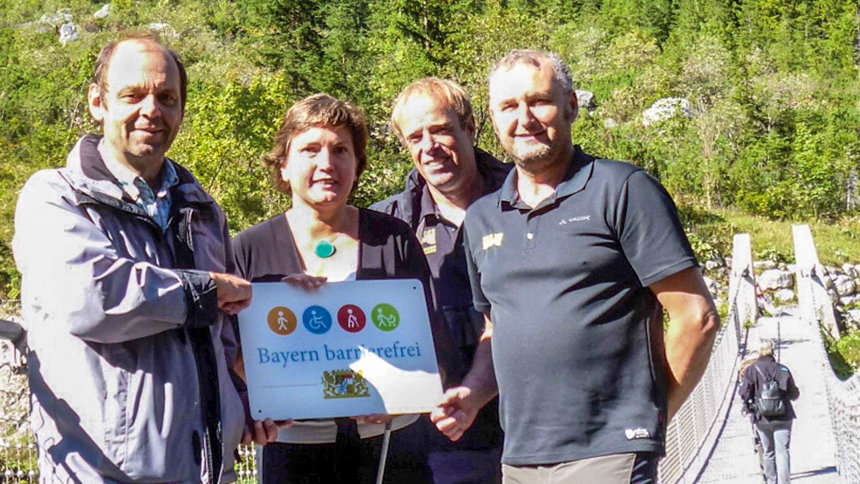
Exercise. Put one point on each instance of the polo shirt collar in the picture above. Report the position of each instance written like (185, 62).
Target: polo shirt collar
(427, 206)
(577, 176)
(488, 173)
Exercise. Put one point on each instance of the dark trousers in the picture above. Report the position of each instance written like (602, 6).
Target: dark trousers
(458, 466)
(318, 463)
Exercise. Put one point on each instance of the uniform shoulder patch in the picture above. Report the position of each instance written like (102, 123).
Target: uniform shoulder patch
(492, 240)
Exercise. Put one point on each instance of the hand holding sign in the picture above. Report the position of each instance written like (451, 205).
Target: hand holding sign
(306, 281)
(262, 433)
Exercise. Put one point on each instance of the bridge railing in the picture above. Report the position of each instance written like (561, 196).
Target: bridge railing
(17, 447)
(843, 397)
(693, 431)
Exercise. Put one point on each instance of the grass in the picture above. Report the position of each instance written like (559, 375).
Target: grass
(836, 242)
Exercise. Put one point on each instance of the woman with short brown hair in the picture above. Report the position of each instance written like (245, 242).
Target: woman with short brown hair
(318, 155)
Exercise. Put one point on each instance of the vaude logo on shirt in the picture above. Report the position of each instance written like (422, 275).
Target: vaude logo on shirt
(492, 240)
(635, 434)
(581, 218)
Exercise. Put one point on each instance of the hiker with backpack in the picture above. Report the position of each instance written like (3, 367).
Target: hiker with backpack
(767, 388)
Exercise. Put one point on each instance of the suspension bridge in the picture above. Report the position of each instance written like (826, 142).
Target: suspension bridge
(709, 440)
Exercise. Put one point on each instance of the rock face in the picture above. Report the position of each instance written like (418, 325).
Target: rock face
(102, 12)
(63, 16)
(772, 279)
(585, 99)
(166, 31)
(843, 285)
(715, 275)
(848, 300)
(852, 319)
(68, 33)
(784, 296)
(666, 108)
(713, 287)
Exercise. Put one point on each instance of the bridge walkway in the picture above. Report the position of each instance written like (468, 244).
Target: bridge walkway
(733, 459)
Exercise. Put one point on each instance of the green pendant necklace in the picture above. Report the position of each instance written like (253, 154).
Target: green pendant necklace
(324, 249)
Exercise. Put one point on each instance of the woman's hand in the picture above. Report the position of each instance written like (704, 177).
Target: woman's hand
(263, 432)
(376, 418)
(306, 281)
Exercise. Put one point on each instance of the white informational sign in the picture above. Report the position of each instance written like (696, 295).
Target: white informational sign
(346, 349)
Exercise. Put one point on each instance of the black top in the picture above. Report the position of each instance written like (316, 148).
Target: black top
(442, 243)
(578, 336)
(752, 381)
(387, 249)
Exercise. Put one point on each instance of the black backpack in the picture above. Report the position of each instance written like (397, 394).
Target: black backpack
(769, 399)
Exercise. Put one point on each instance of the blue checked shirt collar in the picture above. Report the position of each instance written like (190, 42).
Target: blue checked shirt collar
(156, 204)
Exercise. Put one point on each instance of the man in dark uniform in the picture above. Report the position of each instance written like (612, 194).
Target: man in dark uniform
(433, 119)
(774, 431)
(572, 262)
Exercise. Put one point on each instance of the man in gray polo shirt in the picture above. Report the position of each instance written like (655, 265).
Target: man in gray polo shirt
(572, 262)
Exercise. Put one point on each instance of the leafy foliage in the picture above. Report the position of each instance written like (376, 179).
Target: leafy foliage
(849, 347)
(773, 88)
(844, 353)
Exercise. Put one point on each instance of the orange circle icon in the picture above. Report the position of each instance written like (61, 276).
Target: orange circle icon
(281, 321)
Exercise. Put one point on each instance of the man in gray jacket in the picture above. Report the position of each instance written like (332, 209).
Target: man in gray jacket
(125, 293)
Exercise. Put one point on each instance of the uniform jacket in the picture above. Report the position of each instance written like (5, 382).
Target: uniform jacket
(752, 380)
(406, 205)
(128, 375)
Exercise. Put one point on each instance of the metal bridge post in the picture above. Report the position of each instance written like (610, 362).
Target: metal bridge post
(843, 397)
(812, 295)
(742, 285)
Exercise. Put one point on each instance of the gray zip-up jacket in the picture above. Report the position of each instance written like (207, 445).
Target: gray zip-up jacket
(128, 374)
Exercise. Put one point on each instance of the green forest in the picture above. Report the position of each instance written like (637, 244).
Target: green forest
(770, 125)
